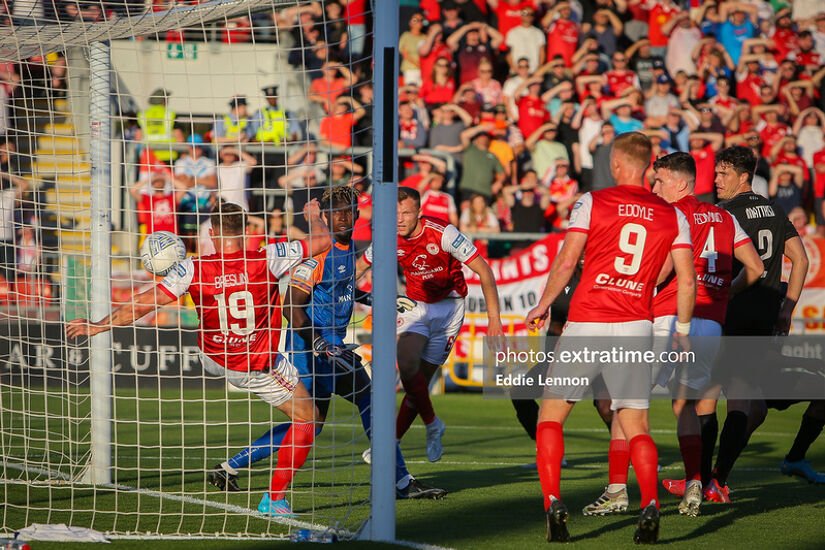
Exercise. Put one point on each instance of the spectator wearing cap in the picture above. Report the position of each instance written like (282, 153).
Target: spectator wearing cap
(526, 41)
(482, 171)
(197, 178)
(158, 126)
(545, 150)
(234, 127)
(472, 45)
(408, 44)
(658, 104)
(562, 33)
(739, 21)
(335, 80)
(270, 124)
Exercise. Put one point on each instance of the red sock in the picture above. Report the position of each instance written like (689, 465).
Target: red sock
(406, 415)
(645, 463)
(691, 448)
(291, 456)
(618, 458)
(418, 390)
(549, 453)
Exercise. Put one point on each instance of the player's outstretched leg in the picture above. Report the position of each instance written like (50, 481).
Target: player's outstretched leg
(293, 453)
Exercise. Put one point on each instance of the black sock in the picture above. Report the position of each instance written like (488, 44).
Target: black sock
(731, 442)
(710, 430)
(527, 412)
(809, 430)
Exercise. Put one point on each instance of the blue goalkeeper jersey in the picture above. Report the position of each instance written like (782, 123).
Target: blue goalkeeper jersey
(330, 279)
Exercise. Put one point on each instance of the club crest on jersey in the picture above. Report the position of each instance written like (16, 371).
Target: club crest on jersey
(432, 248)
(420, 263)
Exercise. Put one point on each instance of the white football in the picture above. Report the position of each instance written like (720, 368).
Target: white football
(161, 251)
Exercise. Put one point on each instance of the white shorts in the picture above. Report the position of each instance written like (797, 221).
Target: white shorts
(628, 385)
(274, 386)
(705, 341)
(439, 322)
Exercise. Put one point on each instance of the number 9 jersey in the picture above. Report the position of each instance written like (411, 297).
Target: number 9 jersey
(630, 231)
(237, 300)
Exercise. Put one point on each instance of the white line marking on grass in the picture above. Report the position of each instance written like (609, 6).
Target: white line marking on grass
(420, 545)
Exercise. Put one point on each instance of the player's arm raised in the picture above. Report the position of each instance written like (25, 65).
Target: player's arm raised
(143, 303)
(795, 252)
(319, 239)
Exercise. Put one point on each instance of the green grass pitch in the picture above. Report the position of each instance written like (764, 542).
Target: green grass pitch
(494, 501)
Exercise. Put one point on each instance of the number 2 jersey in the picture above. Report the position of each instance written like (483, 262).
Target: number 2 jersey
(715, 234)
(432, 261)
(630, 231)
(237, 300)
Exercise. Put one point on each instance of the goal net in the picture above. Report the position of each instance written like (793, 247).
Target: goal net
(125, 117)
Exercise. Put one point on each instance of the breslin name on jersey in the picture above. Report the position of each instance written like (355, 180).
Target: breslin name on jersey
(636, 211)
(230, 279)
(761, 211)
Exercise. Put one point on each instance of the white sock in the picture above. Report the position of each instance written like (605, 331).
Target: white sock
(616, 487)
(229, 469)
(404, 481)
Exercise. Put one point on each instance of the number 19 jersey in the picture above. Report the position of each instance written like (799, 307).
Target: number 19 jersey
(630, 231)
(237, 300)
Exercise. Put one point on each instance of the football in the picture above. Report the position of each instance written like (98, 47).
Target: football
(161, 251)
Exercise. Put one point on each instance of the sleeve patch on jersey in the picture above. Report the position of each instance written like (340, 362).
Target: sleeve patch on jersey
(459, 241)
(304, 271)
(280, 249)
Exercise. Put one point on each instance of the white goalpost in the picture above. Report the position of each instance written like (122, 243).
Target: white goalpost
(124, 117)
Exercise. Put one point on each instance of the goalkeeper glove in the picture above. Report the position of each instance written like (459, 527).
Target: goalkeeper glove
(403, 304)
(338, 356)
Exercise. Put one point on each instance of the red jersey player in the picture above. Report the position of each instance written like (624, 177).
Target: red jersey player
(431, 253)
(626, 233)
(235, 292)
(717, 239)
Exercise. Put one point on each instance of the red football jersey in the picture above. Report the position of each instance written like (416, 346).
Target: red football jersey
(437, 204)
(237, 300)
(563, 39)
(158, 212)
(618, 81)
(432, 261)
(630, 231)
(715, 233)
(819, 177)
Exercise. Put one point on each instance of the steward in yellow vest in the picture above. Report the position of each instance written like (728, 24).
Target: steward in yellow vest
(234, 127)
(270, 123)
(157, 125)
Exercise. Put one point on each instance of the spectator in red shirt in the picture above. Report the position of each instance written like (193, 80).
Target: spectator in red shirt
(434, 201)
(439, 86)
(660, 13)
(531, 110)
(508, 13)
(774, 129)
(433, 48)
(819, 191)
(156, 204)
(785, 152)
(562, 33)
(749, 80)
(703, 148)
(336, 128)
(806, 55)
(784, 35)
(620, 77)
(335, 81)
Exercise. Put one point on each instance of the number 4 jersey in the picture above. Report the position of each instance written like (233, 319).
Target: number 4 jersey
(715, 234)
(630, 231)
(237, 300)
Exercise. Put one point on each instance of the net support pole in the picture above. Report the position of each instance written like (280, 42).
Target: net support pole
(384, 282)
(101, 247)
